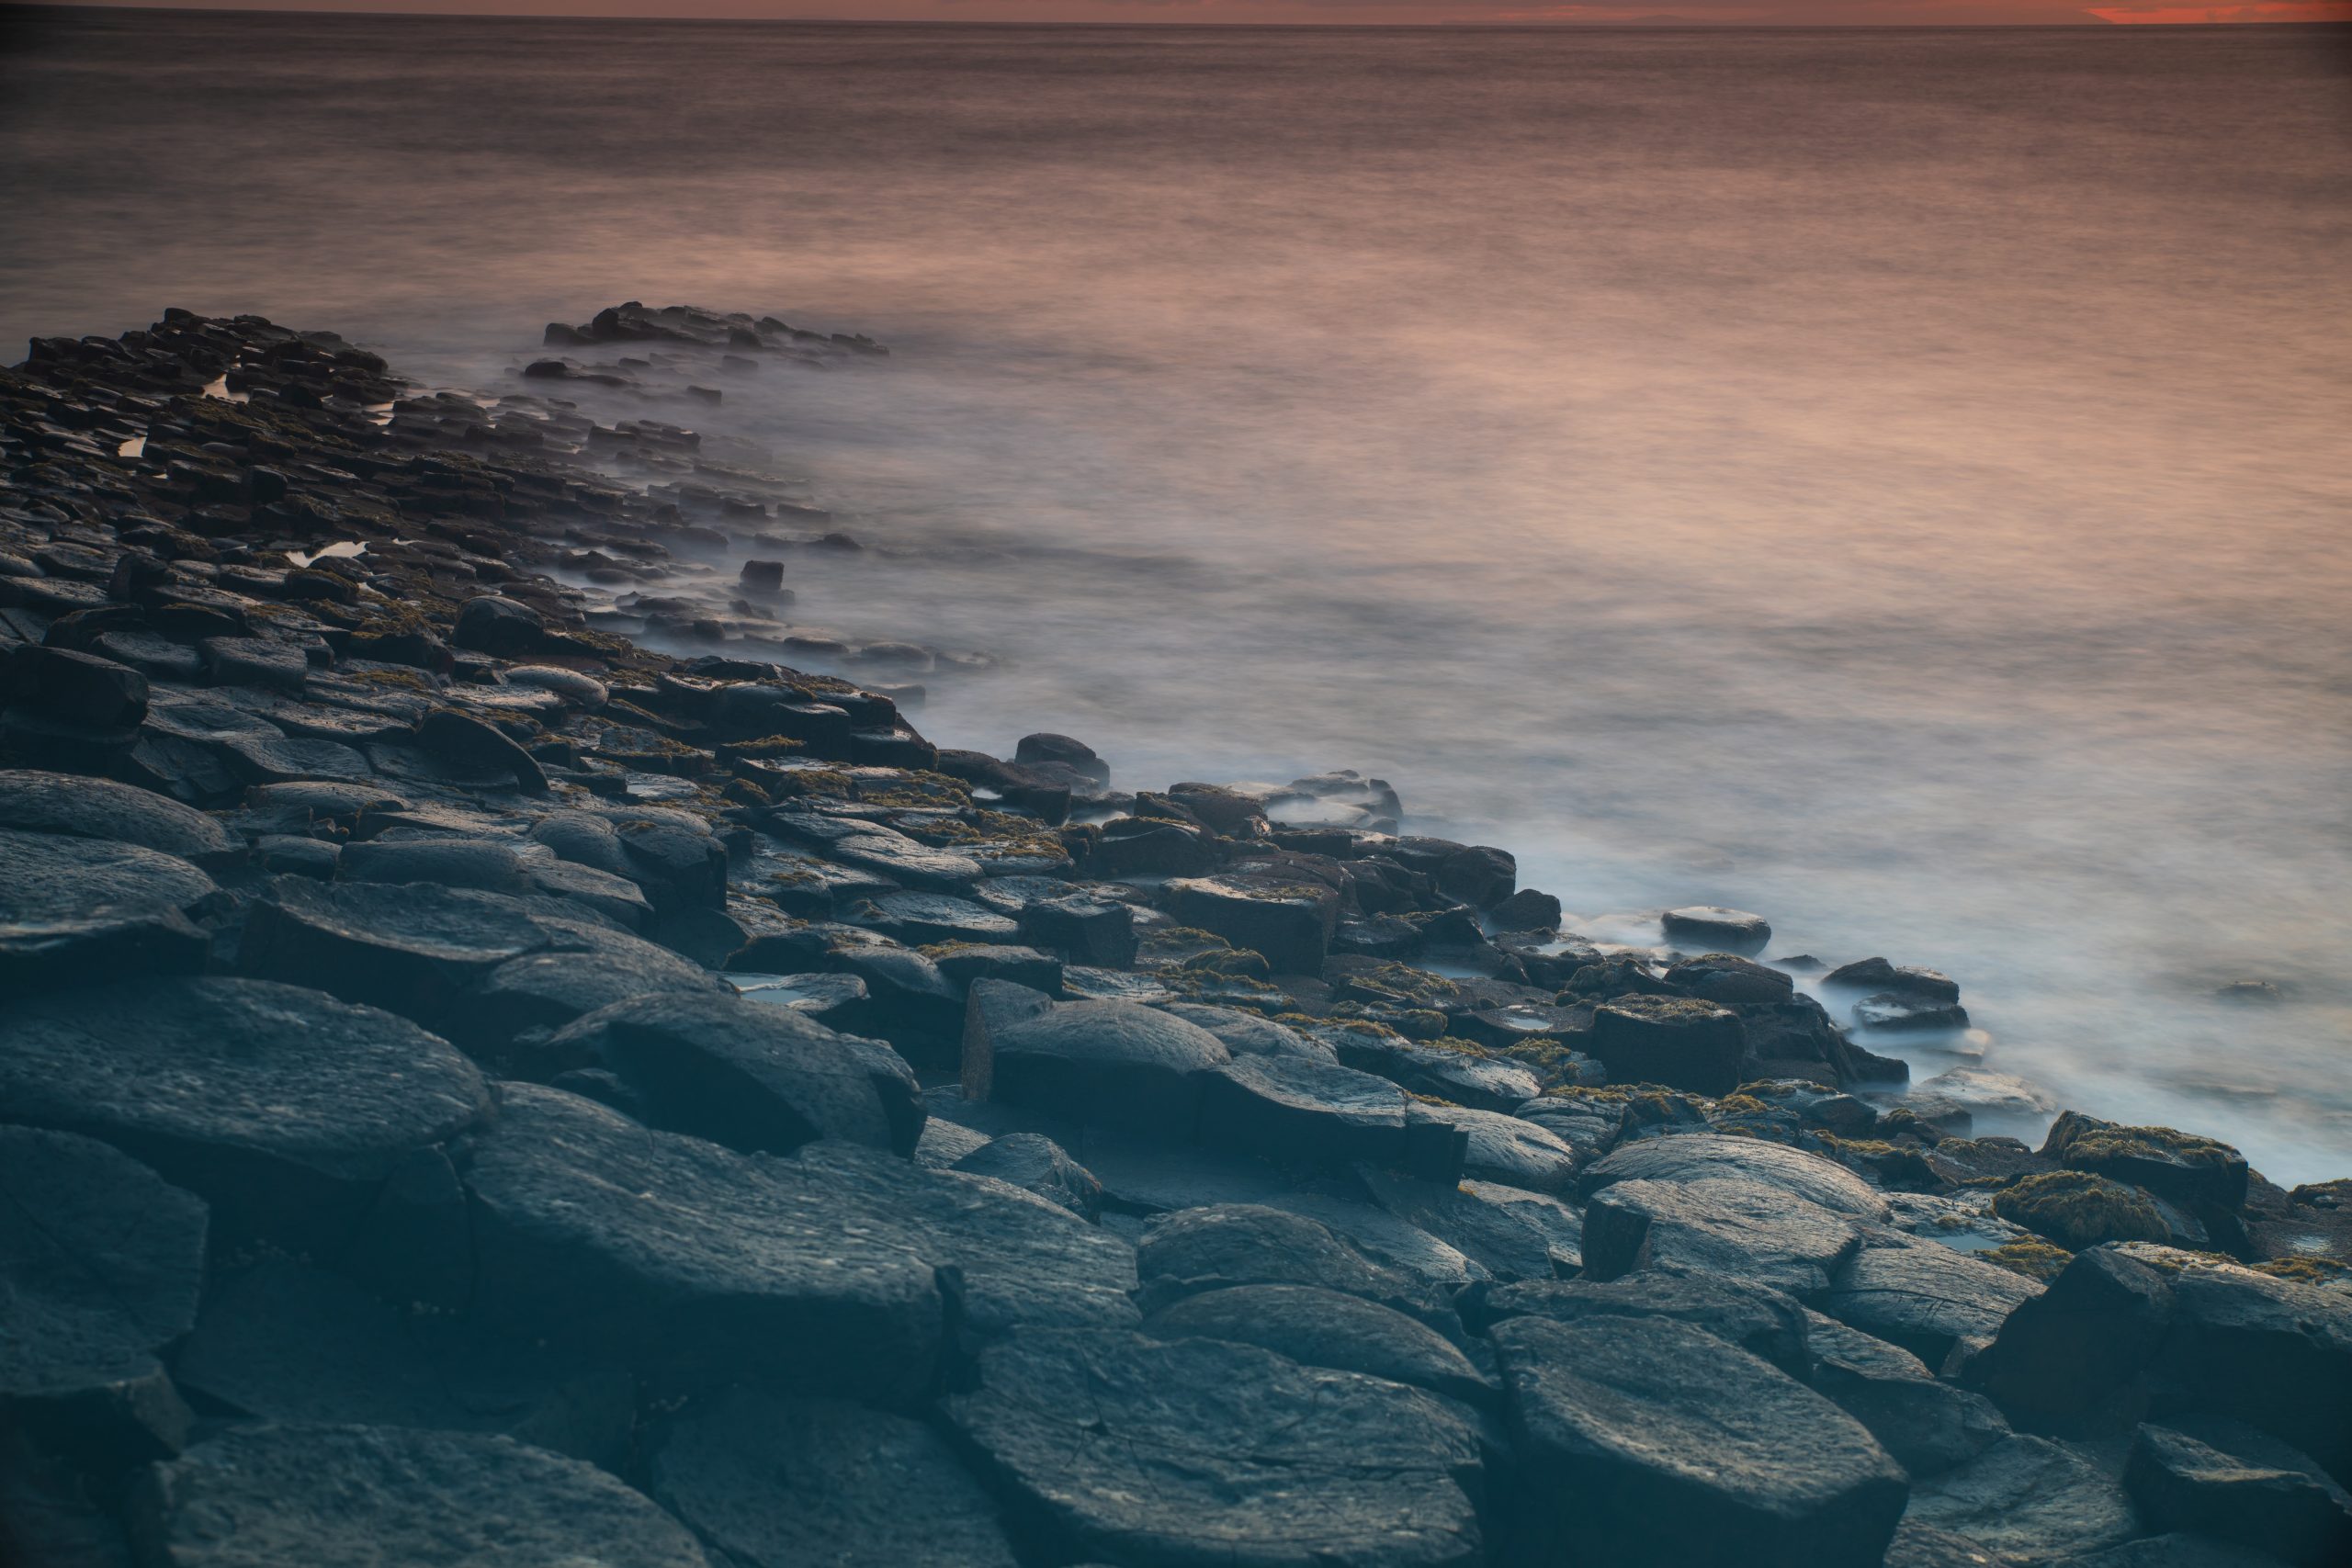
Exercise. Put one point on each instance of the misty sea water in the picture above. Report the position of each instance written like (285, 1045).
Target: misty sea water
(1893, 481)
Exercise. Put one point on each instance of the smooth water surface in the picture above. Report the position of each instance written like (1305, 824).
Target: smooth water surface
(1892, 481)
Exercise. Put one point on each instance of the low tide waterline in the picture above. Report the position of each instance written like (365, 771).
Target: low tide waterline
(1887, 481)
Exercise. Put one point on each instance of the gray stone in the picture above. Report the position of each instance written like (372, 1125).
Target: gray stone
(1727, 1225)
(1689, 1157)
(87, 807)
(1734, 931)
(1645, 1440)
(285, 1342)
(1226, 1245)
(330, 1496)
(1927, 1425)
(757, 1080)
(1191, 1453)
(1317, 1327)
(1034, 1163)
(779, 1484)
(1251, 1034)
(1925, 1297)
(1462, 1077)
(1109, 1062)
(1765, 1323)
(2224, 1479)
(284, 1108)
(2028, 1500)
(1723, 977)
(78, 911)
(680, 1257)
(1294, 1108)
(1680, 1042)
(100, 1262)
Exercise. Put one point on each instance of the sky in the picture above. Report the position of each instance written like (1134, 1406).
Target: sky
(1358, 12)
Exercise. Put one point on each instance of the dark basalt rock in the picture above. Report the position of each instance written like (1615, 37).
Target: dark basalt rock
(1098, 932)
(1692, 1156)
(2062, 1355)
(1722, 978)
(2178, 1166)
(1508, 1234)
(1465, 1077)
(1481, 876)
(1929, 1425)
(100, 1261)
(1926, 1298)
(1761, 1321)
(1526, 911)
(338, 1496)
(80, 688)
(1251, 1034)
(1034, 1163)
(1182, 1453)
(1016, 1258)
(585, 968)
(2274, 1353)
(1895, 1011)
(500, 626)
(673, 857)
(2168, 1551)
(1733, 930)
(285, 1342)
(76, 910)
(1724, 1225)
(677, 1256)
(1318, 1327)
(920, 917)
(1680, 1042)
(1109, 1062)
(284, 1108)
(1294, 1108)
(2227, 1480)
(1033, 749)
(1878, 975)
(411, 947)
(1220, 1246)
(1288, 919)
(1645, 1440)
(2028, 1500)
(99, 808)
(777, 1484)
(473, 743)
(758, 1079)
(1510, 1150)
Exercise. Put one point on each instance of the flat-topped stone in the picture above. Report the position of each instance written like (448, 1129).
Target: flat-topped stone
(100, 1263)
(282, 1107)
(1649, 1441)
(782, 1482)
(32, 801)
(76, 910)
(344, 1497)
(1172, 1454)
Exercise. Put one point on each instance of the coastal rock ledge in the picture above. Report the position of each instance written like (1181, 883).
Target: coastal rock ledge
(477, 1090)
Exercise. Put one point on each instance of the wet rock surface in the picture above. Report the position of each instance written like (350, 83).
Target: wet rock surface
(473, 1087)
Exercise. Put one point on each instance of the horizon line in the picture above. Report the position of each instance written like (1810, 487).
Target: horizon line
(1665, 22)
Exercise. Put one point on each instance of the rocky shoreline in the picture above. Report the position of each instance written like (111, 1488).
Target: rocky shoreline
(476, 1089)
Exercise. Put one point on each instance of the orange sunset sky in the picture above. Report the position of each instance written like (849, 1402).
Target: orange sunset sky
(1841, 13)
